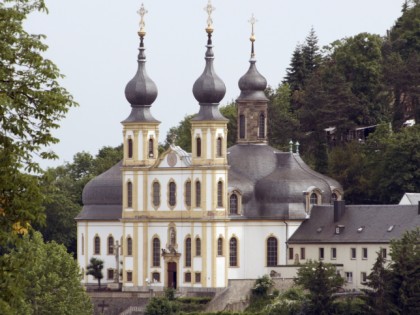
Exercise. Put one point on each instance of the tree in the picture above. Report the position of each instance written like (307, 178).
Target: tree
(158, 306)
(405, 272)
(95, 269)
(45, 280)
(377, 296)
(229, 111)
(321, 280)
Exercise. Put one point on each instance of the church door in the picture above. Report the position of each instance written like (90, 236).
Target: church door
(172, 275)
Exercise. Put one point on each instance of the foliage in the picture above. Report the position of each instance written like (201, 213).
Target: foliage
(170, 294)
(45, 280)
(290, 302)
(159, 306)
(229, 111)
(95, 269)
(262, 286)
(321, 280)
(350, 306)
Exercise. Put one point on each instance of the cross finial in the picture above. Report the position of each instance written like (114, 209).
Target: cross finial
(209, 9)
(252, 20)
(142, 12)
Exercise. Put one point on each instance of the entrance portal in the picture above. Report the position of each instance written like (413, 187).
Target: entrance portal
(172, 275)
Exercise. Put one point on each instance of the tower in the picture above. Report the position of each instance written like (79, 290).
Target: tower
(252, 102)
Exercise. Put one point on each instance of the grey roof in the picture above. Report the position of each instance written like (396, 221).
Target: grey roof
(272, 183)
(141, 91)
(252, 85)
(412, 198)
(209, 88)
(100, 213)
(362, 224)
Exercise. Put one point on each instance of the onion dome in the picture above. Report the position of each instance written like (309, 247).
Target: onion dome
(252, 84)
(141, 91)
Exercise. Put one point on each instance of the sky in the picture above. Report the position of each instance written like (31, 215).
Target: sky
(94, 43)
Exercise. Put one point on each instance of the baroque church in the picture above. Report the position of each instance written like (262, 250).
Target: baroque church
(197, 219)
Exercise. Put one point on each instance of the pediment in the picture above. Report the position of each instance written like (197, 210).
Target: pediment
(174, 157)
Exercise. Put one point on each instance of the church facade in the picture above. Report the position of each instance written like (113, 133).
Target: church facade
(197, 219)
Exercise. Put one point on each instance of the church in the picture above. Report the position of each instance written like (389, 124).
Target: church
(194, 220)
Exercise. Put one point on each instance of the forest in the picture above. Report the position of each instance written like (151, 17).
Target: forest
(351, 106)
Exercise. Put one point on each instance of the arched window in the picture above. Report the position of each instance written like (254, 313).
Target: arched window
(334, 197)
(242, 126)
(219, 147)
(156, 252)
(97, 245)
(129, 246)
(110, 245)
(272, 252)
(151, 148)
(233, 252)
(198, 144)
(188, 193)
(313, 199)
(220, 194)
(188, 252)
(220, 246)
(172, 194)
(197, 194)
(129, 195)
(261, 125)
(233, 204)
(198, 246)
(156, 194)
(130, 148)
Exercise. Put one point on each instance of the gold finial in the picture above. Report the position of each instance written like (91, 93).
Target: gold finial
(209, 9)
(252, 20)
(142, 12)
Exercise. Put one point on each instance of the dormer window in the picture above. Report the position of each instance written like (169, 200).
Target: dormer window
(313, 200)
(233, 204)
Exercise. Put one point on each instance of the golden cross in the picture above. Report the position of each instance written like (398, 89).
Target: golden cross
(252, 20)
(142, 12)
(209, 9)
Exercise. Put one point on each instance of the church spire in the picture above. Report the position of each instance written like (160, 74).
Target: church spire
(141, 91)
(209, 89)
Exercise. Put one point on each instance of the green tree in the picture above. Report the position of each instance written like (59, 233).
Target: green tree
(45, 280)
(94, 269)
(158, 306)
(405, 273)
(180, 135)
(321, 280)
(229, 111)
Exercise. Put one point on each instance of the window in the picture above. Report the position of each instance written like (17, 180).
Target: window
(302, 253)
(333, 253)
(219, 147)
(151, 148)
(129, 246)
(172, 194)
(187, 277)
(130, 148)
(220, 246)
(364, 253)
(261, 125)
(291, 253)
(129, 195)
(233, 204)
(242, 126)
(198, 246)
(349, 277)
(198, 144)
(188, 193)
(155, 276)
(198, 277)
(383, 252)
(188, 252)
(334, 197)
(233, 252)
(129, 276)
(110, 274)
(272, 252)
(110, 245)
(197, 194)
(220, 194)
(353, 253)
(321, 253)
(363, 277)
(97, 245)
(156, 194)
(313, 199)
(156, 252)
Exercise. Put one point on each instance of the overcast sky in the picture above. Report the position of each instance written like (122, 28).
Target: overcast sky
(94, 43)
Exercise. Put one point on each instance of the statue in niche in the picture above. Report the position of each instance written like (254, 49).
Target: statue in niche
(172, 240)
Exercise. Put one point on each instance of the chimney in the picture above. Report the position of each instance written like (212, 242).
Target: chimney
(339, 209)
